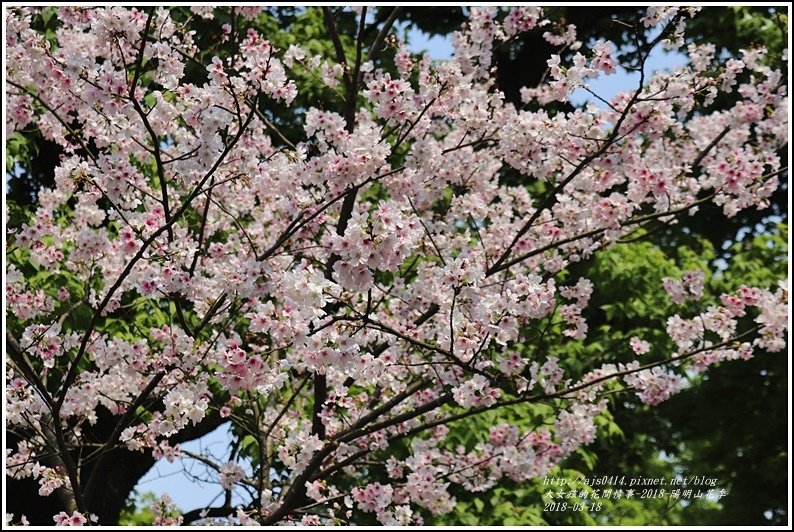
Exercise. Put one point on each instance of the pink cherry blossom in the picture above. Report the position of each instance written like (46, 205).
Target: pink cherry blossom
(344, 292)
(639, 346)
(64, 519)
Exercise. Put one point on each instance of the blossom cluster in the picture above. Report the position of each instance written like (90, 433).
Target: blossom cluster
(370, 281)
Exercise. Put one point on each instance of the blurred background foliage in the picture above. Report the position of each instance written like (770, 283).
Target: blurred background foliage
(728, 424)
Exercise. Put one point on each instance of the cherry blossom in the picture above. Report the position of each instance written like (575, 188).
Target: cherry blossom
(75, 519)
(375, 280)
(231, 473)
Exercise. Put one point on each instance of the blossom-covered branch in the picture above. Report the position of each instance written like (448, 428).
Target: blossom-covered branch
(395, 270)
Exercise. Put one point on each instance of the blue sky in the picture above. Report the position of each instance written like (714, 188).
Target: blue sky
(440, 47)
(188, 493)
(175, 478)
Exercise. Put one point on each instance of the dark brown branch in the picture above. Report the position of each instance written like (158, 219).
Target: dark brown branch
(348, 204)
(702, 155)
(149, 129)
(201, 513)
(384, 31)
(334, 34)
(285, 408)
(128, 416)
(17, 355)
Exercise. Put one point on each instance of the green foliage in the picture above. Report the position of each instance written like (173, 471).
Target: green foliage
(737, 27)
(689, 435)
(137, 511)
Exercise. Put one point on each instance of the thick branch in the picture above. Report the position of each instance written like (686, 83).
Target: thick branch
(98, 470)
